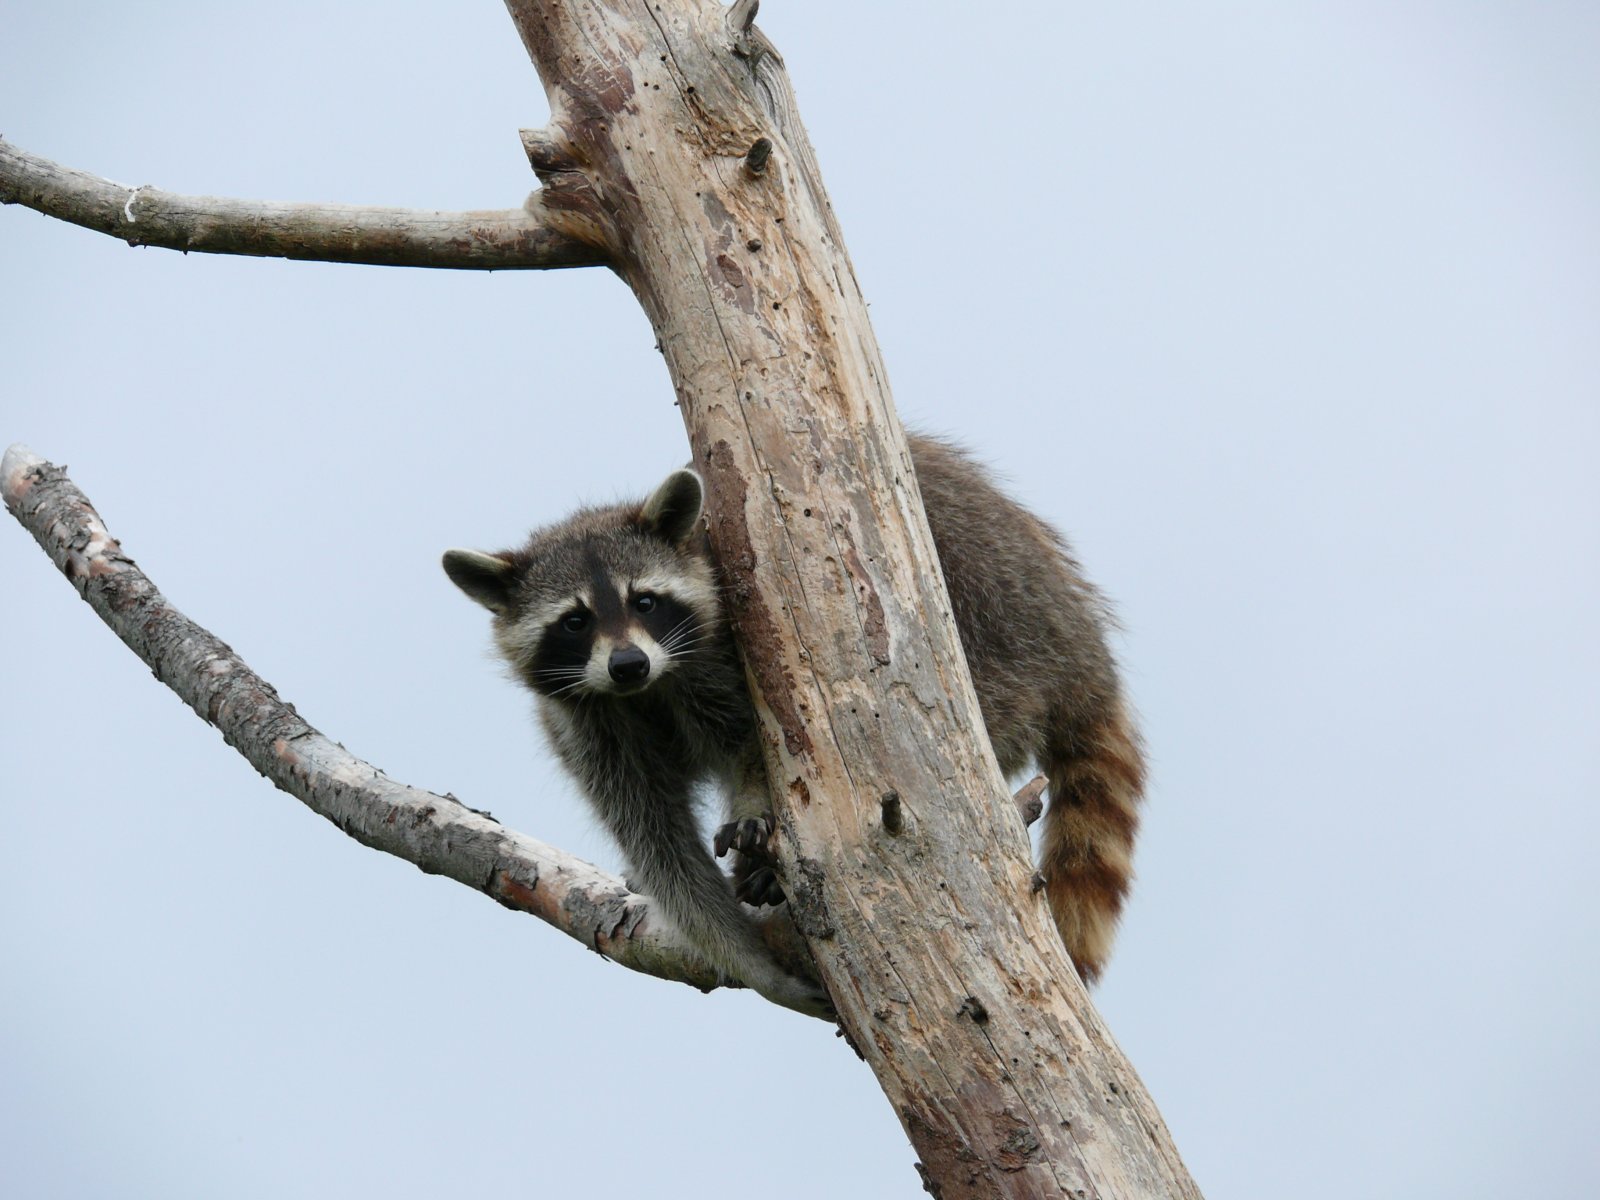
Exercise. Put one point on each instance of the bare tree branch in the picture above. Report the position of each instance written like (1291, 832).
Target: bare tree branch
(490, 240)
(675, 145)
(437, 833)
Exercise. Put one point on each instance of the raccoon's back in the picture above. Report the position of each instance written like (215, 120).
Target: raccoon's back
(1033, 629)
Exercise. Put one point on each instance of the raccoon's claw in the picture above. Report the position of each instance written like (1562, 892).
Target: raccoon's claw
(749, 836)
(760, 887)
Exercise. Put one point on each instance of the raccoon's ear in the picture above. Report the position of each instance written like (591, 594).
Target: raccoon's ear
(673, 511)
(484, 577)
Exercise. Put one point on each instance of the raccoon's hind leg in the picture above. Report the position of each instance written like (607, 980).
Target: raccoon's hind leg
(1096, 771)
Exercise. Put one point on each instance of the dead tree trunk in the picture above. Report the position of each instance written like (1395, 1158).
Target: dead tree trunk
(674, 155)
(674, 141)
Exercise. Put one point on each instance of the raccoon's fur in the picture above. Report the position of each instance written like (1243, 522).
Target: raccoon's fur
(612, 618)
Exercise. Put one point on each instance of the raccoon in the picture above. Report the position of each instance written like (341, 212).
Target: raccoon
(612, 618)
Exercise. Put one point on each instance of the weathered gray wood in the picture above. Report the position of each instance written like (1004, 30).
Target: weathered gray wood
(674, 154)
(502, 240)
(945, 967)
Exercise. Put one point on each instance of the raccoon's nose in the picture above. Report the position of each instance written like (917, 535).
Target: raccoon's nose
(628, 664)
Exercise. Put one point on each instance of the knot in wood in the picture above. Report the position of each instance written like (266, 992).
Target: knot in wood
(755, 160)
(894, 821)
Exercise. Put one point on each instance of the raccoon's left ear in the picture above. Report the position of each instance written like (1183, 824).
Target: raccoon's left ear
(485, 577)
(673, 511)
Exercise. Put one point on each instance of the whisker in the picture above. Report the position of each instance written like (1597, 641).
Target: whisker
(562, 683)
(686, 633)
(673, 632)
(673, 639)
(683, 645)
(566, 688)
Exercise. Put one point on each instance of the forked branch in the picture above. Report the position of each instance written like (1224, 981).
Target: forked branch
(491, 240)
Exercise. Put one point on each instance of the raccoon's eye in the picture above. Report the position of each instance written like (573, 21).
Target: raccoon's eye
(575, 622)
(645, 603)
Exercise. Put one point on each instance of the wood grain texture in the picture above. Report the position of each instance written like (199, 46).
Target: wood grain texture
(935, 944)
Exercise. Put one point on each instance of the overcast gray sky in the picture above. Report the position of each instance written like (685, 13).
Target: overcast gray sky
(1288, 314)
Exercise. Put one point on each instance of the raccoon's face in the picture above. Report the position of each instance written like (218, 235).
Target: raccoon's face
(605, 604)
(594, 622)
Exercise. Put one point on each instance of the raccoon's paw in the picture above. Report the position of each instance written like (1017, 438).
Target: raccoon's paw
(749, 836)
(760, 887)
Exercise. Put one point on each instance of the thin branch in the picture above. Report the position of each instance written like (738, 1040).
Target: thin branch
(437, 833)
(491, 240)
